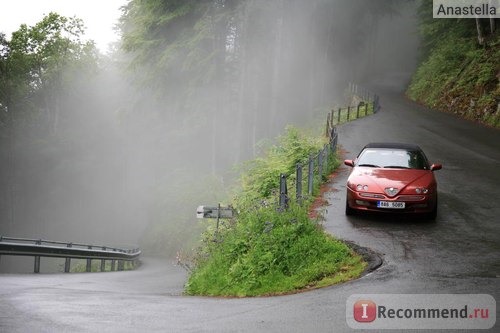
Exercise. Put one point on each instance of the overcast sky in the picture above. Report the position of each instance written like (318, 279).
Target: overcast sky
(99, 16)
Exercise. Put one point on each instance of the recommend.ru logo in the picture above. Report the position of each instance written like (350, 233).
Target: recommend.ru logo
(421, 311)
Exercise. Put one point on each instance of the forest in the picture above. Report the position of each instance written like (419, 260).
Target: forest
(122, 147)
(460, 66)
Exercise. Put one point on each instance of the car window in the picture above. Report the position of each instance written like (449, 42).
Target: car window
(392, 158)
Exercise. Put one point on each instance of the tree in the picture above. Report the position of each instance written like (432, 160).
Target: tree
(45, 57)
(37, 66)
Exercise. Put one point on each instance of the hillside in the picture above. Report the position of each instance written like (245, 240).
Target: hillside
(460, 69)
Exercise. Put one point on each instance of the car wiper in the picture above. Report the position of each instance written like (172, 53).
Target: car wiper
(396, 167)
(369, 165)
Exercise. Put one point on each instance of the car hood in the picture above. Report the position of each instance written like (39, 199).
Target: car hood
(379, 179)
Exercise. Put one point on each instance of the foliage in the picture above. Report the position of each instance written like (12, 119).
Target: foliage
(258, 63)
(271, 252)
(261, 176)
(37, 65)
(442, 67)
(457, 74)
(266, 250)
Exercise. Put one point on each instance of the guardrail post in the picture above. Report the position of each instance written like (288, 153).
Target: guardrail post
(320, 164)
(283, 193)
(298, 184)
(310, 175)
(327, 124)
(120, 265)
(89, 262)
(37, 258)
(113, 263)
(338, 116)
(333, 140)
(67, 263)
(325, 149)
(348, 112)
(103, 261)
(37, 264)
(357, 111)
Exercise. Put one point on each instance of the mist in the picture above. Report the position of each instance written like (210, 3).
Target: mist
(156, 131)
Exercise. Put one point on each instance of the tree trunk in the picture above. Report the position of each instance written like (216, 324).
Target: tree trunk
(480, 36)
(219, 47)
(11, 173)
(492, 25)
(56, 113)
(240, 48)
(277, 63)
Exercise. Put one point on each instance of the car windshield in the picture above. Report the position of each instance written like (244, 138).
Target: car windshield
(392, 158)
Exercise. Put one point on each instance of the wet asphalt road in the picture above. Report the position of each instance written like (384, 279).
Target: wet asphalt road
(458, 253)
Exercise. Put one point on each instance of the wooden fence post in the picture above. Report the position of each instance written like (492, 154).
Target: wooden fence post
(283, 193)
(325, 149)
(327, 124)
(298, 184)
(320, 164)
(310, 175)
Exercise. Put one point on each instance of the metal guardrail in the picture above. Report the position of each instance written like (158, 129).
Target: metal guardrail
(45, 248)
(315, 165)
(367, 103)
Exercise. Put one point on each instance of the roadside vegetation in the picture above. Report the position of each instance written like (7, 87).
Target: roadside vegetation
(265, 250)
(460, 67)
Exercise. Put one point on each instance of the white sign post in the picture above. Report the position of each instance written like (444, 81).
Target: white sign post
(207, 212)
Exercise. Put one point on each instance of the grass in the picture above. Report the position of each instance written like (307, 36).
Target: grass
(270, 252)
(267, 251)
(460, 76)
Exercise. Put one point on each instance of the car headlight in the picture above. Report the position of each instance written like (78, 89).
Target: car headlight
(361, 187)
(423, 190)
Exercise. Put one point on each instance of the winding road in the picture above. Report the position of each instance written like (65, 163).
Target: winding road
(458, 253)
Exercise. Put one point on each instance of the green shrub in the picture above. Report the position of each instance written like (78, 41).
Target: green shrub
(266, 250)
(272, 252)
(457, 74)
(260, 177)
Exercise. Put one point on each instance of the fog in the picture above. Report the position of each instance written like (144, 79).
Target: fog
(138, 145)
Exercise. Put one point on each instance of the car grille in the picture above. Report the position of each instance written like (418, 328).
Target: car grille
(411, 197)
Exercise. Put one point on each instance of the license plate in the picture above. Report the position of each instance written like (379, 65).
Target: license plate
(391, 204)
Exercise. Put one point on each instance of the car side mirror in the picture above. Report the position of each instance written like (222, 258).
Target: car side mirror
(349, 163)
(436, 167)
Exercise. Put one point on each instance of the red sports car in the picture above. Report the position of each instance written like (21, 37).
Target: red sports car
(392, 177)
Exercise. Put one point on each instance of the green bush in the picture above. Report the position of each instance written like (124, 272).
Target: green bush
(272, 252)
(266, 250)
(457, 74)
(260, 177)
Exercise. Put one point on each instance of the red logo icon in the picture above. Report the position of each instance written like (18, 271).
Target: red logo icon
(365, 311)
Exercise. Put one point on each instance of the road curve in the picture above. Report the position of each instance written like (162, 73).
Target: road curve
(458, 253)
